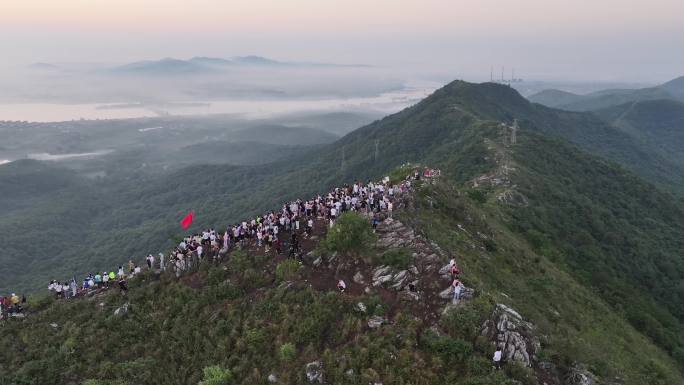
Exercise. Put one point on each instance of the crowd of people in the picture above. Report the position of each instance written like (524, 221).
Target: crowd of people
(375, 200)
(275, 232)
(280, 232)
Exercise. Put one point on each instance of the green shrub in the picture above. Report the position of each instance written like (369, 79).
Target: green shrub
(216, 276)
(518, 372)
(287, 352)
(287, 270)
(251, 279)
(38, 302)
(465, 323)
(399, 258)
(478, 196)
(478, 365)
(216, 375)
(450, 350)
(240, 262)
(352, 234)
(262, 259)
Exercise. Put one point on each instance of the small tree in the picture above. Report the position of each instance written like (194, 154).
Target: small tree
(287, 270)
(351, 234)
(216, 375)
(287, 352)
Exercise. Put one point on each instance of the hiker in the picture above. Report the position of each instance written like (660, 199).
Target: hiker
(105, 279)
(341, 286)
(457, 290)
(497, 358)
(122, 285)
(294, 246)
(98, 280)
(309, 227)
(454, 269)
(74, 287)
(65, 290)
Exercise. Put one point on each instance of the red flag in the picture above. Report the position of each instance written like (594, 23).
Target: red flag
(187, 221)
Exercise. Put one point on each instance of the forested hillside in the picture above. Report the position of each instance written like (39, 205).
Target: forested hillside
(581, 245)
(259, 318)
(657, 124)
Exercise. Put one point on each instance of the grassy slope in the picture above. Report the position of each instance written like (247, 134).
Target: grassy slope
(578, 326)
(594, 248)
(174, 329)
(593, 220)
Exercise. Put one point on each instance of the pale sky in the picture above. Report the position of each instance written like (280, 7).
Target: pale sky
(573, 39)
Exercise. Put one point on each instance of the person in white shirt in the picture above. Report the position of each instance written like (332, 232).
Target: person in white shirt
(457, 290)
(497, 358)
(341, 286)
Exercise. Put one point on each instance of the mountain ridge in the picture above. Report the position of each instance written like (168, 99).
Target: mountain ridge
(209, 65)
(673, 89)
(579, 244)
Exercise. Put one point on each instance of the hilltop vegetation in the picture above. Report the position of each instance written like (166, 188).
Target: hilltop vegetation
(657, 124)
(580, 245)
(258, 317)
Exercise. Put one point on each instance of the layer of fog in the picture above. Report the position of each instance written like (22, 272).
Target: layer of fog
(162, 82)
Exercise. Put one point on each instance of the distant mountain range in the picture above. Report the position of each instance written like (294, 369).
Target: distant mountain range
(196, 65)
(673, 90)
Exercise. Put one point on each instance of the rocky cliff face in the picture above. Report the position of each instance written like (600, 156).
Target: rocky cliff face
(516, 337)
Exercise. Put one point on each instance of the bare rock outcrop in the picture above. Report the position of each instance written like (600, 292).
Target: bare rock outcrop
(579, 375)
(516, 337)
(314, 372)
